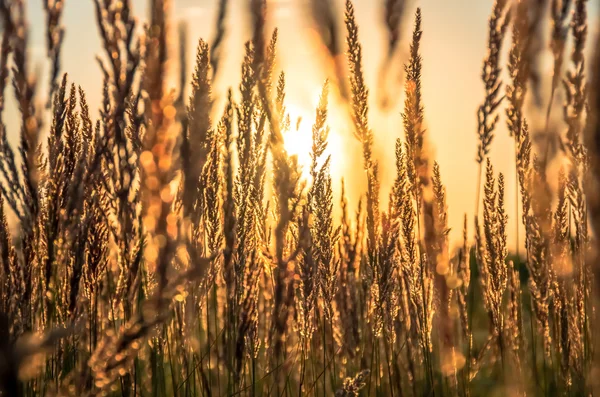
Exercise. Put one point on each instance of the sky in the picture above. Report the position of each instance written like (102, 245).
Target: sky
(453, 46)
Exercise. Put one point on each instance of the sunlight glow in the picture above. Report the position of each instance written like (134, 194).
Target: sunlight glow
(298, 141)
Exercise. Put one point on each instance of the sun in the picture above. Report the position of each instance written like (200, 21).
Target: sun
(298, 140)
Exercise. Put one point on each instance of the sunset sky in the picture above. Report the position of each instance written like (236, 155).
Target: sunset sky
(453, 46)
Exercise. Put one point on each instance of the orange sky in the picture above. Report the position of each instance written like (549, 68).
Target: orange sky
(453, 45)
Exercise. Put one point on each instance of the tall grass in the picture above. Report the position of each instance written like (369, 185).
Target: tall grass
(158, 250)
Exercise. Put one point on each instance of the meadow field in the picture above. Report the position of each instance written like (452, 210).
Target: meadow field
(176, 239)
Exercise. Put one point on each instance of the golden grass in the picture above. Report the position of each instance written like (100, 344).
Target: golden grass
(159, 252)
